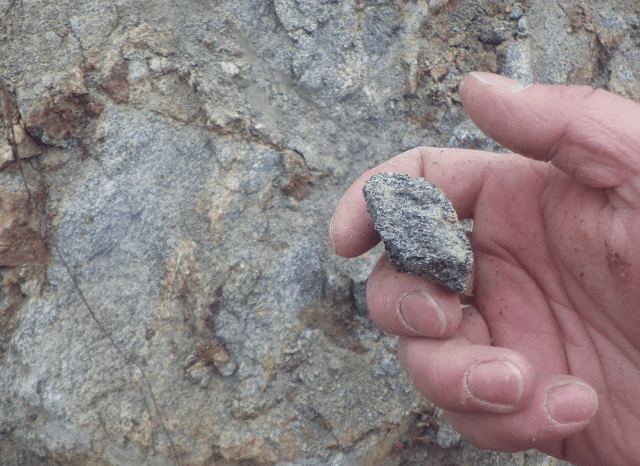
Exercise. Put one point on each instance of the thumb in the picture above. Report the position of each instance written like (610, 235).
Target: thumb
(592, 135)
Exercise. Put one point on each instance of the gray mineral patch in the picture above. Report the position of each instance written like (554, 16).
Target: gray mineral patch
(420, 230)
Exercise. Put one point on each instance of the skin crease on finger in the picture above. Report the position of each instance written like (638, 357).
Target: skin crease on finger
(557, 261)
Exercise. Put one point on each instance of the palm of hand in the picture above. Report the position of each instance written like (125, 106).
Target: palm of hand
(558, 279)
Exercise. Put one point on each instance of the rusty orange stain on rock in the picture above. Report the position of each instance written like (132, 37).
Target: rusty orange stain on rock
(20, 240)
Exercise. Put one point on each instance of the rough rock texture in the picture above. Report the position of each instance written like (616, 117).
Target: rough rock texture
(186, 157)
(420, 230)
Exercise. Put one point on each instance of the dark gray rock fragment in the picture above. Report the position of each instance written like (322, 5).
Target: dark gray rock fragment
(420, 230)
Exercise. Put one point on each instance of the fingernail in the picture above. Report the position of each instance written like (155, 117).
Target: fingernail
(571, 403)
(498, 81)
(484, 78)
(419, 312)
(332, 242)
(521, 87)
(496, 382)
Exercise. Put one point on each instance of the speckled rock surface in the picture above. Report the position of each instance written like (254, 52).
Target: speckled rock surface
(184, 159)
(420, 230)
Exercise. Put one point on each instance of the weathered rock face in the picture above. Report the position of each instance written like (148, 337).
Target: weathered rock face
(186, 157)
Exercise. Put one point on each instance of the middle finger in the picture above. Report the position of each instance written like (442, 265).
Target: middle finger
(409, 305)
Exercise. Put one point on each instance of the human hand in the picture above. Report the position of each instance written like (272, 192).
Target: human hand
(547, 355)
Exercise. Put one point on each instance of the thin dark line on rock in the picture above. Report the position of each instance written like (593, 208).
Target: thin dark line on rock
(44, 231)
(7, 10)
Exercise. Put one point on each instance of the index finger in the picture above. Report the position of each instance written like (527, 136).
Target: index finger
(460, 173)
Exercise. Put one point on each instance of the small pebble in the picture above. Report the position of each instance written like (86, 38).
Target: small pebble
(515, 13)
(420, 230)
(447, 437)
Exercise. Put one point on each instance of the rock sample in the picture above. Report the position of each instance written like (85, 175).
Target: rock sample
(420, 230)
